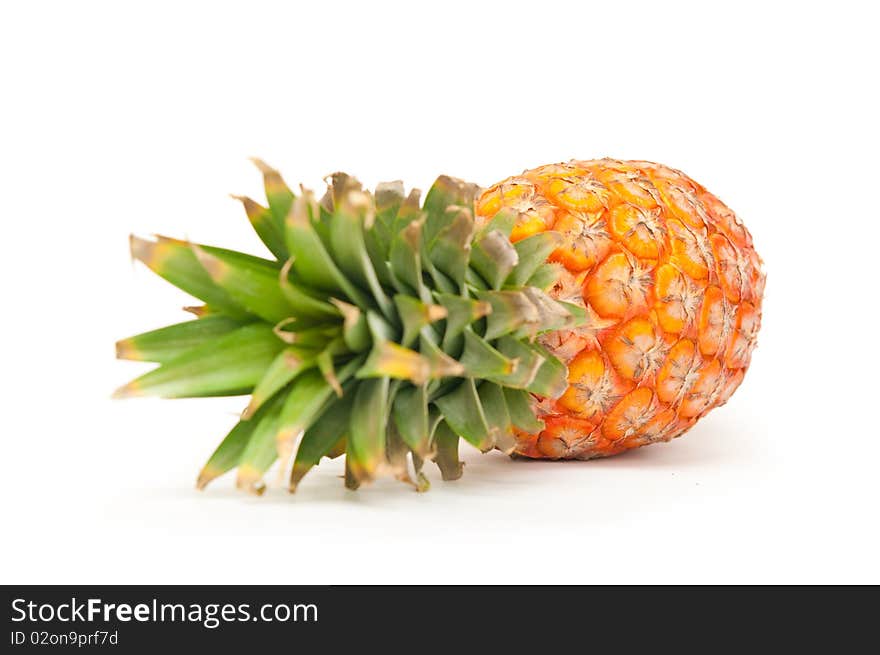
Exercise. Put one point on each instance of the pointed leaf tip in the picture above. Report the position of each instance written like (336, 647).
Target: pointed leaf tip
(143, 250)
(359, 203)
(281, 333)
(154, 251)
(266, 223)
(325, 365)
(206, 475)
(251, 206)
(262, 166)
(125, 349)
(366, 456)
(250, 479)
(437, 313)
(284, 368)
(130, 390)
(412, 233)
(395, 361)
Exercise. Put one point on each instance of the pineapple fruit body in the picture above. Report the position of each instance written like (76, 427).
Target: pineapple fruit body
(672, 288)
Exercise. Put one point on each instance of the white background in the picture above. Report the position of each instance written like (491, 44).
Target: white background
(119, 118)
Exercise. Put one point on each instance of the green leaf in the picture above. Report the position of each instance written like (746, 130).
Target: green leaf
(389, 359)
(380, 329)
(529, 361)
(304, 304)
(340, 185)
(462, 411)
(338, 448)
(503, 221)
(578, 313)
(511, 310)
(172, 341)
(545, 276)
(494, 257)
(495, 410)
(312, 262)
(552, 378)
(406, 259)
(446, 192)
(286, 366)
(266, 225)
(414, 314)
(389, 199)
(322, 436)
(259, 454)
(308, 396)
(450, 249)
(229, 365)
(532, 253)
(378, 254)
(228, 453)
(440, 281)
(352, 482)
(396, 452)
(278, 194)
(519, 407)
(481, 360)
(410, 210)
(355, 330)
(307, 337)
(251, 283)
(552, 315)
(175, 261)
(440, 364)
(461, 312)
(446, 457)
(349, 247)
(410, 412)
(242, 258)
(422, 482)
(474, 280)
(366, 440)
(325, 364)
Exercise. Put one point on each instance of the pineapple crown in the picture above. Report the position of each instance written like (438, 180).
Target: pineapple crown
(384, 330)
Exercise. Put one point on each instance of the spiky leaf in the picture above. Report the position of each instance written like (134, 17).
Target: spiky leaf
(366, 440)
(520, 410)
(259, 453)
(267, 226)
(446, 458)
(411, 419)
(228, 366)
(463, 413)
(228, 453)
(532, 252)
(171, 341)
(320, 439)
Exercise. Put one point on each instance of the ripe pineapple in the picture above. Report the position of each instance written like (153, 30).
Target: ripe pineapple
(386, 329)
(672, 289)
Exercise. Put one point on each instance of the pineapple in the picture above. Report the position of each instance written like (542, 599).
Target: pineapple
(672, 289)
(574, 311)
